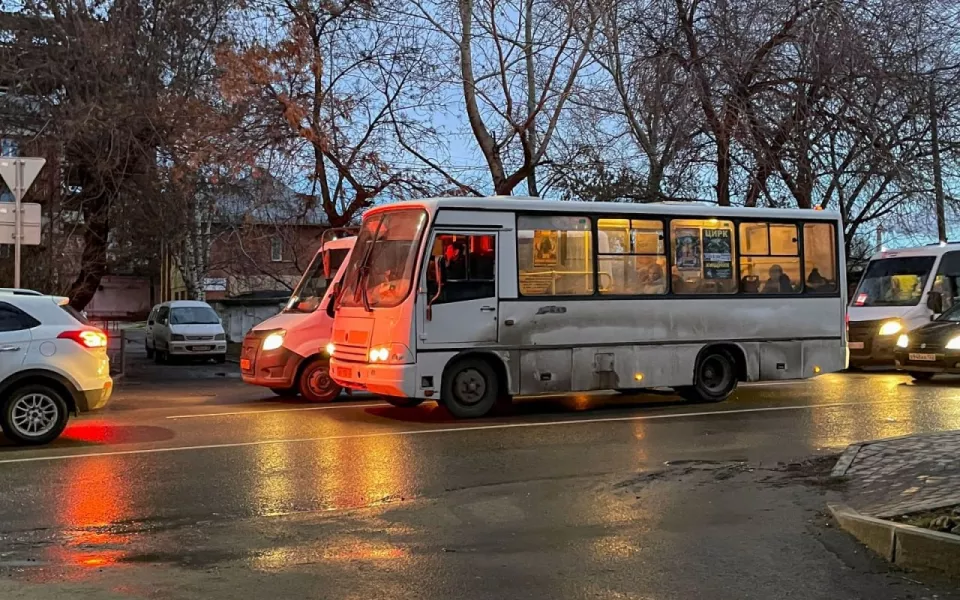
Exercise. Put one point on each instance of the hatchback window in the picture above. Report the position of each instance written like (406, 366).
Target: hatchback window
(193, 315)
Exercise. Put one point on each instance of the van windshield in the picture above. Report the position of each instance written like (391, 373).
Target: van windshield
(380, 271)
(313, 285)
(193, 315)
(894, 281)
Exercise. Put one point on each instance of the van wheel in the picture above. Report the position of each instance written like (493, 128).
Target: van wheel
(714, 378)
(921, 376)
(160, 357)
(150, 352)
(470, 388)
(315, 383)
(34, 414)
(403, 402)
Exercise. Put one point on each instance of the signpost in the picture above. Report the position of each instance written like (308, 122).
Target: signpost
(19, 174)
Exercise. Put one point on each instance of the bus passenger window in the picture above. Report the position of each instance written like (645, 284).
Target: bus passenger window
(555, 256)
(703, 254)
(819, 258)
(461, 268)
(631, 257)
(769, 259)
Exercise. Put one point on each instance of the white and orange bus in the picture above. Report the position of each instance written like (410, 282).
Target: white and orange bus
(471, 300)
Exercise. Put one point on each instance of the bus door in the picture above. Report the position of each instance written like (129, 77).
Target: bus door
(457, 303)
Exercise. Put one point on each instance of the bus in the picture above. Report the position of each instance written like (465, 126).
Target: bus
(470, 301)
(287, 352)
(899, 291)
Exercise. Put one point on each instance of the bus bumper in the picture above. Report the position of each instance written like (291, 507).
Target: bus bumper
(386, 380)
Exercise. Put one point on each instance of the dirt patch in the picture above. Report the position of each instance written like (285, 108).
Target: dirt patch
(946, 520)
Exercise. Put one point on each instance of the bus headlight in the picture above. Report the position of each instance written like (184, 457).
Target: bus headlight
(331, 348)
(394, 354)
(953, 344)
(891, 328)
(274, 340)
(903, 341)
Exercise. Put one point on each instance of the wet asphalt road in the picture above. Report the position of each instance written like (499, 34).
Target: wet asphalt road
(196, 485)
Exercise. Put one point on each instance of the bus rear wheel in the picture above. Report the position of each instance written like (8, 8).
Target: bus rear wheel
(714, 378)
(470, 388)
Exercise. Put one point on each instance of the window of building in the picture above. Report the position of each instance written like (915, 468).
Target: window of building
(555, 255)
(276, 249)
(631, 257)
(14, 319)
(820, 258)
(703, 255)
(769, 259)
(461, 268)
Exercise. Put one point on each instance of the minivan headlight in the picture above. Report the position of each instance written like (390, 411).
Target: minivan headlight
(177, 337)
(220, 337)
(891, 328)
(274, 340)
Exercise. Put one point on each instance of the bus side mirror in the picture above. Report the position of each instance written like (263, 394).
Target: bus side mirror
(935, 302)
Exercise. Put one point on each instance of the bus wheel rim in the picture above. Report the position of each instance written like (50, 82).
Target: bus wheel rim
(470, 386)
(714, 374)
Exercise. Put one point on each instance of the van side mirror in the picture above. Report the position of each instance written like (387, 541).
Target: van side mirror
(935, 302)
(331, 306)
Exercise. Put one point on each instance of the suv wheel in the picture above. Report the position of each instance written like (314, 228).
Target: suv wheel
(34, 414)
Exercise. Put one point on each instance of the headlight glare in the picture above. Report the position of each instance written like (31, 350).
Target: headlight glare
(954, 343)
(891, 328)
(274, 340)
(903, 341)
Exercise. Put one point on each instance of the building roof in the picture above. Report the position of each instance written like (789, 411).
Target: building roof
(265, 200)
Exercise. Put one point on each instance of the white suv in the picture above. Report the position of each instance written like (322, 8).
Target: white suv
(52, 363)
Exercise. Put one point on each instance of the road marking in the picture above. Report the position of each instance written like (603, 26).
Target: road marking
(415, 432)
(278, 410)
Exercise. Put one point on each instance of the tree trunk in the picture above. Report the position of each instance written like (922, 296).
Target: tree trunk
(93, 260)
(723, 170)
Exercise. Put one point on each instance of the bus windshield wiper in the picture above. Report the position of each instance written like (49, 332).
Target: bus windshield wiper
(362, 287)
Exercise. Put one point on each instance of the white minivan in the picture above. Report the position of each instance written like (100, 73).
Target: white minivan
(185, 329)
(900, 291)
(288, 353)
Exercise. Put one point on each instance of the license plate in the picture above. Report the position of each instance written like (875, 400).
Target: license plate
(245, 364)
(927, 357)
(855, 345)
(201, 348)
(344, 372)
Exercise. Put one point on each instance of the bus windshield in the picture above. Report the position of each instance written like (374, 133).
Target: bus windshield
(380, 271)
(894, 281)
(313, 285)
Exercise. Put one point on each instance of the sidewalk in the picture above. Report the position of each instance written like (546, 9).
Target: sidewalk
(893, 485)
(899, 476)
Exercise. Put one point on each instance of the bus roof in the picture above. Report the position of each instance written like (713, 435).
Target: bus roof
(931, 250)
(529, 204)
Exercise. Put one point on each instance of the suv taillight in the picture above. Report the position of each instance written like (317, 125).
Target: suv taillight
(88, 338)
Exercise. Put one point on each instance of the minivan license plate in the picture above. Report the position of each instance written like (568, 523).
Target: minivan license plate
(926, 357)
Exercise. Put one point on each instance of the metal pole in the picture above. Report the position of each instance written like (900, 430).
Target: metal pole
(937, 170)
(18, 220)
(880, 237)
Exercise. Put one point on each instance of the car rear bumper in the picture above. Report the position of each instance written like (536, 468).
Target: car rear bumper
(90, 400)
(386, 380)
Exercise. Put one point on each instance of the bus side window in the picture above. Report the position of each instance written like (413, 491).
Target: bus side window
(948, 279)
(462, 268)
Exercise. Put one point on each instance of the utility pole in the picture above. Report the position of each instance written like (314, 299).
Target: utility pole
(937, 169)
(880, 237)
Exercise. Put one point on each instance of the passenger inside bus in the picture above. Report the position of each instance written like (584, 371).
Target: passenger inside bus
(778, 283)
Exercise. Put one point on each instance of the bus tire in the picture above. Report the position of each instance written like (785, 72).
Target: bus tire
(714, 377)
(403, 402)
(470, 388)
(315, 383)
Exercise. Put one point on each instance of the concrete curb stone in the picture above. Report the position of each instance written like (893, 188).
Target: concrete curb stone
(903, 545)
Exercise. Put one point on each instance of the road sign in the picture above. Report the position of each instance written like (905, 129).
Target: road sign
(19, 173)
(30, 224)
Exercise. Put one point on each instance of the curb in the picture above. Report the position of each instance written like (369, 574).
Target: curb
(903, 545)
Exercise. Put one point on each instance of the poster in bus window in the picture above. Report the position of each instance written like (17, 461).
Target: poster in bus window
(545, 247)
(717, 254)
(688, 249)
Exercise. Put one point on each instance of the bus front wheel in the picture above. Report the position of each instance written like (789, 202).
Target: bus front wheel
(470, 388)
(714, 378)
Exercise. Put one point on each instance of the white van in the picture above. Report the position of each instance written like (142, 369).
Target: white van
(288, 352)
(185, 329)
(900, 290)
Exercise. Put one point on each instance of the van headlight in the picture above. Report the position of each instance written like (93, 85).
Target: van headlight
(891, 328)
(903, 341)
(274, 340)
(953, 344)
(394, 354)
